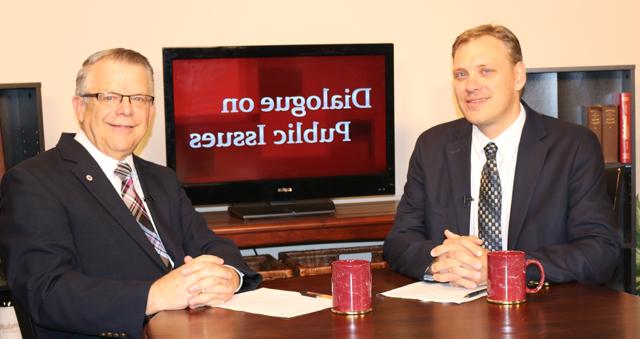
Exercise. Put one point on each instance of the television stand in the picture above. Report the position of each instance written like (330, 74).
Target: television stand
(364, 221)
(278, 209)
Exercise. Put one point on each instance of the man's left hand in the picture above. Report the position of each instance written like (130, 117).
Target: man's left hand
(213, 283)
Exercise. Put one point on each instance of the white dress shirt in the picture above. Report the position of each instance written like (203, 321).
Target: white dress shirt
(108, 166)
(507, 156)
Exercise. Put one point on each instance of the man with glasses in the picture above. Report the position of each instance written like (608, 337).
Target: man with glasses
(94, 239)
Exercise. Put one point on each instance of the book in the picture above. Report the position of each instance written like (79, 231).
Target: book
(610, 132)
(625, 127)
(594, 120)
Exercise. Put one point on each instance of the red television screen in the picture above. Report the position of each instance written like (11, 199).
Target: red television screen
(272, 120)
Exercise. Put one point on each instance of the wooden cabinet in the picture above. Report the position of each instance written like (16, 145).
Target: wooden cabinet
(564, 93)
(351, 222)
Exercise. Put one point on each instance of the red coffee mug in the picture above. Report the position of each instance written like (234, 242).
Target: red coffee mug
(506, 277)
(351, 286)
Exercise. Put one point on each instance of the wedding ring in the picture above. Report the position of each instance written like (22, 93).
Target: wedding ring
(203, 291)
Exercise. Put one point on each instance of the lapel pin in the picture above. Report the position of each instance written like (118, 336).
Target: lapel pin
(89, 177)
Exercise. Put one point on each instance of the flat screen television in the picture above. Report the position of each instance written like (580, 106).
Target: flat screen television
(280, 125)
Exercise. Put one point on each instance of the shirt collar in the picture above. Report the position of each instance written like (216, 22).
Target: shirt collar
(106, 163)
(508, 141)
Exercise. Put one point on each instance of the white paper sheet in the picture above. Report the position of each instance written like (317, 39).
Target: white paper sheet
(438, 292)
(276, 303)
(9, 324)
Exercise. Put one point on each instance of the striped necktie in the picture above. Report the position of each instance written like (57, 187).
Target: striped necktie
(136, 207)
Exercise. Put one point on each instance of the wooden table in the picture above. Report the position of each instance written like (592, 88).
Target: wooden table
(351, 222)
(560, 311)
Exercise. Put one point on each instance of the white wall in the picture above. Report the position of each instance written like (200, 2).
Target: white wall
(46, 41)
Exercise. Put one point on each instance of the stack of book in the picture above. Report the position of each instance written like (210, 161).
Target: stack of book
(612, 126)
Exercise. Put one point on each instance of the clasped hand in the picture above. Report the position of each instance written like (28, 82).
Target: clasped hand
(203, 281)
(460, 260)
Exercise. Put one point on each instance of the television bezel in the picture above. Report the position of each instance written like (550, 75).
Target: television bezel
(301, 188)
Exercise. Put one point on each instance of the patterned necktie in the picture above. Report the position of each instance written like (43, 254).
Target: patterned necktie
(490, 203)
(136, 207)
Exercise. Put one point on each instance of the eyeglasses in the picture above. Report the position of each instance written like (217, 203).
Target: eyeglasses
(111, 99)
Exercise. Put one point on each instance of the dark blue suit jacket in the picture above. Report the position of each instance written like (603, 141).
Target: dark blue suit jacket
(74, 256)
(560, 212)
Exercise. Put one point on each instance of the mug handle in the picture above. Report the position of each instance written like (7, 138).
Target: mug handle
(541, 281)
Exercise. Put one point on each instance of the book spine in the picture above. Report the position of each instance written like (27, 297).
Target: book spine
(594, 120)
(625, 127)
(610, 133)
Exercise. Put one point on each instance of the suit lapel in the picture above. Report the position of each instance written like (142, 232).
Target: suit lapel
(532, 153)
(459, 166)
(89, 173)
(155, 197)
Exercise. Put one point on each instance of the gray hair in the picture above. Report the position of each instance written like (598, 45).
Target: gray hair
(117, 54)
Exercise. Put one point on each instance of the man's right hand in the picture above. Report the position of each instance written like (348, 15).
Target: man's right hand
(171, 291)
(168, 293)
(214, 283)
(460, 260)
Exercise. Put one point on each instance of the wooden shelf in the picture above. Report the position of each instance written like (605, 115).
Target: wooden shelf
(351, 222)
